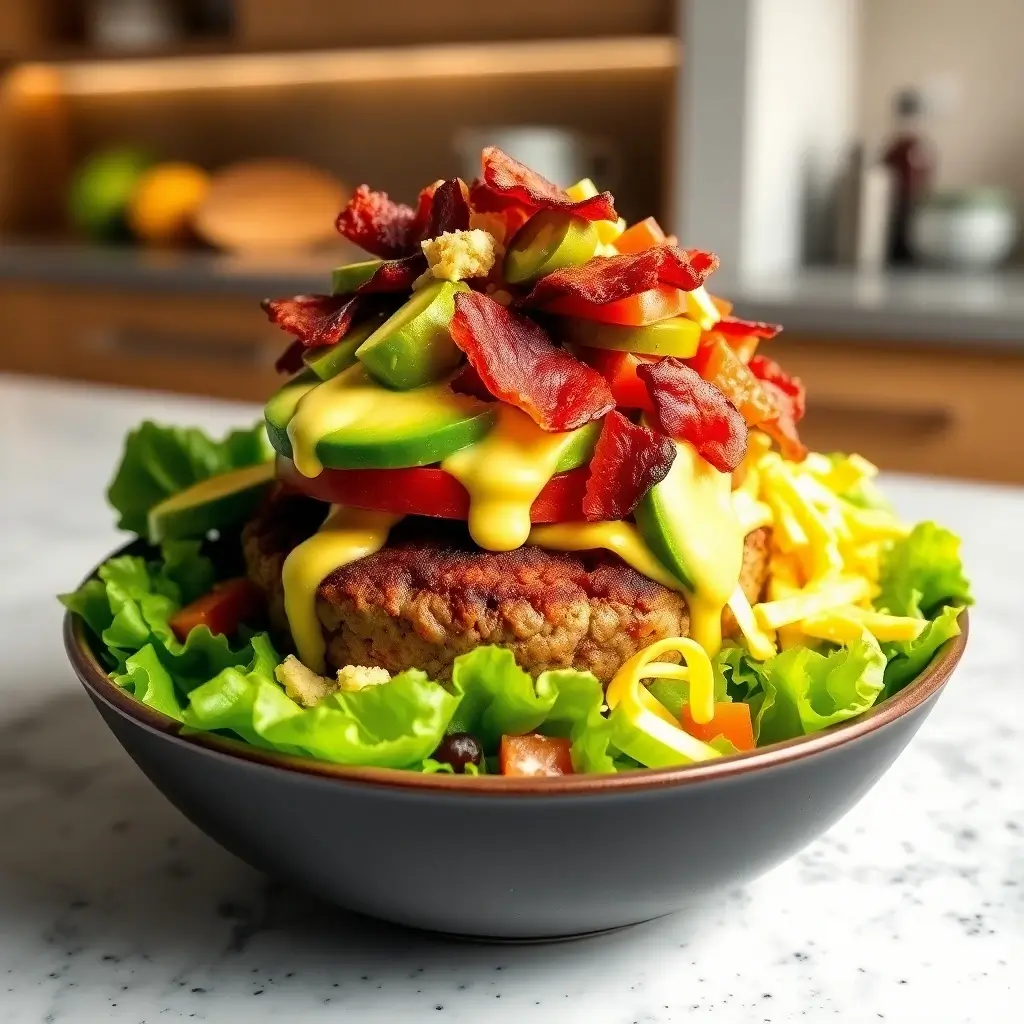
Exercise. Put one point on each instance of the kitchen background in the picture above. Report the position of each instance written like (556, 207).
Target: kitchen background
(858, 164)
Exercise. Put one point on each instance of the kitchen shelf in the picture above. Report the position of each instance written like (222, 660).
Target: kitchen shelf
(200, 70)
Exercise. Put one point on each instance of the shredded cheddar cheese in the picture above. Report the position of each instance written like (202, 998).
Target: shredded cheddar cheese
(825, 552)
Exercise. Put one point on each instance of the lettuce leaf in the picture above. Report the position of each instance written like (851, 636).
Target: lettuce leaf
(804, 691)
(396, 725)
(160, 461)
(922, 572)
(908, 659)
(128, 607)
(738, 674)
(497, 697)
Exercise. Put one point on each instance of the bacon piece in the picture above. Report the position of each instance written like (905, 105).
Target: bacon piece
(395, 275)
(767, 370)
(507, 182)
(519, 364)
(467, 382)
(789, 397)
(733, 326)
(610, 278)
(628, 461)
(290, 361)
(316, 320)
(690, 409)
(379, 225)
(449, 209)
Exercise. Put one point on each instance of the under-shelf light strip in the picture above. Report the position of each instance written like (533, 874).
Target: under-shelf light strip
(471, 60)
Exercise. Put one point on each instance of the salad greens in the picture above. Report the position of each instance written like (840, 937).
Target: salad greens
(228, 685)
(160, 461)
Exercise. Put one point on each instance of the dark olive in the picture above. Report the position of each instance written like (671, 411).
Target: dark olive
(460, 749)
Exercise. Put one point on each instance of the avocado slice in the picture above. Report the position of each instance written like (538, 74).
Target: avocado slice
(676, 336)
(211, 504)
(347, 279)
(413, 347)
(688, 521)
(580, 447)
(548, 241)
(328, 361)
(380, 428)
(277, 413)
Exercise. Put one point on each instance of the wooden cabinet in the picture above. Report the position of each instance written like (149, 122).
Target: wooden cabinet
(944, 409)
(219, 346)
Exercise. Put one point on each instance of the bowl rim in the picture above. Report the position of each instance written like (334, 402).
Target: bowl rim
(926, 685)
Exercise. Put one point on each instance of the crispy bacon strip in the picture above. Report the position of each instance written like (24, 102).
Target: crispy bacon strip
(290, 360)
(790, 399)
(733, 326)
(395, 275)
(519, 364)
(768, 371)
(610, 278)
(688, 408)
(379, 225)
(449, 209)
(507, 182)
(467, 382)
(628, 461)
(316, 320)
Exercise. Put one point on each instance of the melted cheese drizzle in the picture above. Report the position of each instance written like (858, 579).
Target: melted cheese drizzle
(503, 474)
(713, 537)
(622, 539)
(353, 401)
(347, 535)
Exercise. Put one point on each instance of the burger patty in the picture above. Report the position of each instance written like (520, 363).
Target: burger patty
(430, 595)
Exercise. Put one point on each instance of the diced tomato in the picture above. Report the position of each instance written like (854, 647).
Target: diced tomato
(645, 234)
(619, 369)
(428, 491)
(731, 721)
(223, 609)
(534, 754)
(718, 364)
(745, 348)
(724, 306)
(637, 310)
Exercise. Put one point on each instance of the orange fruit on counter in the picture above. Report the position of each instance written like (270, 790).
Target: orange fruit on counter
(164, 203)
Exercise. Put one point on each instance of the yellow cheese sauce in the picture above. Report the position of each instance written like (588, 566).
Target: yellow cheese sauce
(712, 536)
(353, 401)
(347, 535)
(503, 474)
(623, 539)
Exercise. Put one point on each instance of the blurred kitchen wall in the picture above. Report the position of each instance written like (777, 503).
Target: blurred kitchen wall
(968, 60)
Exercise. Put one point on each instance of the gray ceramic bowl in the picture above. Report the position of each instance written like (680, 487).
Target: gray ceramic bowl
(514, 858)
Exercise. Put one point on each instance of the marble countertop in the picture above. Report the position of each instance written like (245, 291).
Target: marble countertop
(921, 306)
(114, 908)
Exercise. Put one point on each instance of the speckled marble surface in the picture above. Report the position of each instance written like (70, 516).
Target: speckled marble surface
(114, 908)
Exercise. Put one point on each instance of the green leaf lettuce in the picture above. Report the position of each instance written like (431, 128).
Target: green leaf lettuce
(160, 461)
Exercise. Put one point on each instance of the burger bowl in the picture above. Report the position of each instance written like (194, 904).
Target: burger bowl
(514, 858)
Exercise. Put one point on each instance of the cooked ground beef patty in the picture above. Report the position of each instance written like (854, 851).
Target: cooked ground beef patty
(431, 595)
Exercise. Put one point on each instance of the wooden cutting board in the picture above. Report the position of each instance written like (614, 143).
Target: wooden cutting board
(279, 205)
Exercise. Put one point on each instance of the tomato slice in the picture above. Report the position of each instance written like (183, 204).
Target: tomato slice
(718, 364)
(428, 491)
(637, 310)
(619, 369)
(534, 754)
(223, 609)
(731, 721)
(640, 237)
